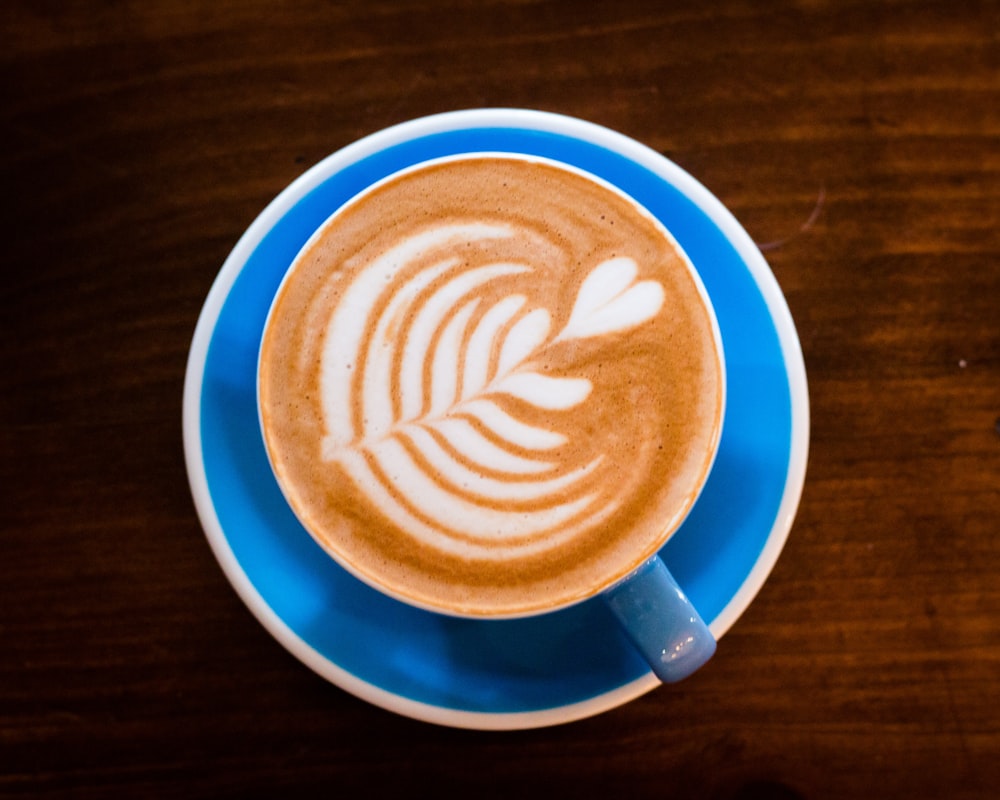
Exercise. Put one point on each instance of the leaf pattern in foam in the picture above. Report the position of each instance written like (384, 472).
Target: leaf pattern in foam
(447, 359)
(430, 313)
(524, 338)
(460, 423)
(609, 300)
(545, 392)
(476, 364)
(517, 432)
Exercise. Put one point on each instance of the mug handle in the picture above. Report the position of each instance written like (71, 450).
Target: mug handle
(661, 622)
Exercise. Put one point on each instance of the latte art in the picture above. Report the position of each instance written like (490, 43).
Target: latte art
(490, 385)
(430, 434)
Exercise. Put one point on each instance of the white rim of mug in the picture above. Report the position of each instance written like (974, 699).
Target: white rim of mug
(473, 119)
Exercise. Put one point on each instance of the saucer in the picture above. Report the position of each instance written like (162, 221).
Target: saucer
(508, 674)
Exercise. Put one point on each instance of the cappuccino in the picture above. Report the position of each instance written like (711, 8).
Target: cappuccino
(490, 385)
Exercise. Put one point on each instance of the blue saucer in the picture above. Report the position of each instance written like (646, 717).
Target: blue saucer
(516, 673)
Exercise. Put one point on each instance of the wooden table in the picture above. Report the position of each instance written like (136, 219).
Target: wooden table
(858, 145)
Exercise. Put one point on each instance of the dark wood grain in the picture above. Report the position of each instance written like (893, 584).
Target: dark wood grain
(858, 144)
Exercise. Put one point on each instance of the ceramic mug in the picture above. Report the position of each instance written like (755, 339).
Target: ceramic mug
(540, 481)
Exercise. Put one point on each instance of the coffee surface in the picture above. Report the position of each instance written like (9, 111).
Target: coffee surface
(490, 386)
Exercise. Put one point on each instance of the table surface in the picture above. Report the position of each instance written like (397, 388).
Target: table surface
(857, 143)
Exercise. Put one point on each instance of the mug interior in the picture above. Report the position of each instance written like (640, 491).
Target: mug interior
(457, 123)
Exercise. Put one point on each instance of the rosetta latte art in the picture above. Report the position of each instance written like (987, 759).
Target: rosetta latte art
(424, 381)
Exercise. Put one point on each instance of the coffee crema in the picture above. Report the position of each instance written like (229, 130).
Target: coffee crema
(490, 385)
